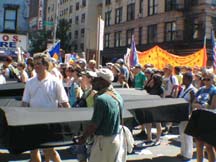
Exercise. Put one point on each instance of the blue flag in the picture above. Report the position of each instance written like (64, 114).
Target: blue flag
(55, 51)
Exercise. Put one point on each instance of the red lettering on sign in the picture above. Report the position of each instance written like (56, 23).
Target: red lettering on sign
(5, 38)
(15, 38)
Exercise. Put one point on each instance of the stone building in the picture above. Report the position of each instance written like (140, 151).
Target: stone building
(178, 26)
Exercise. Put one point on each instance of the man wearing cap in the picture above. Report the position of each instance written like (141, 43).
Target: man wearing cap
(82, 63)
(105, 122)
(123, 69)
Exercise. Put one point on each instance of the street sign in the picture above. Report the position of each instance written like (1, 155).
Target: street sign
(48, 23)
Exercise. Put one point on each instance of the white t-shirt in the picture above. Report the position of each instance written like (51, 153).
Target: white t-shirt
(44, 94)
(169, 83)
(185, 93)
(55, 72)
(2, 79)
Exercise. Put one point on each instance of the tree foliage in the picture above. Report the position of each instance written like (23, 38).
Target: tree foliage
(62, 34)
(38, 41)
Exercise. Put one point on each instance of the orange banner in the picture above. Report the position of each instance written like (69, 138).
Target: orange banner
(159, 58)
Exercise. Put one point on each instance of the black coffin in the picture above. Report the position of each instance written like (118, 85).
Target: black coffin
(159, 110)
(25, 129)
(11, 89)
(202, 125)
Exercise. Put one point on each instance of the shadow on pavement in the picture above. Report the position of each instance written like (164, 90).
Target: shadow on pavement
(158, 159)
(6, 157)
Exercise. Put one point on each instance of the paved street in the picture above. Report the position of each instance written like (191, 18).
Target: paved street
(165, 152)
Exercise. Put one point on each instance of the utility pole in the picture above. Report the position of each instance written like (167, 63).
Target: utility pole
(56, 21)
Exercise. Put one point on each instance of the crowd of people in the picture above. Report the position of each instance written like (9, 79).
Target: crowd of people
(82, 84)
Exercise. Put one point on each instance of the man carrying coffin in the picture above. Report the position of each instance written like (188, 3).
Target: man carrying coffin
(105, 122)
(44, 91)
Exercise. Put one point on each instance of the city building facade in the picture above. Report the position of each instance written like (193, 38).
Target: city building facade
(178, 26)
(13, 26)
(37, 15)
(14, 16)
(82, 16)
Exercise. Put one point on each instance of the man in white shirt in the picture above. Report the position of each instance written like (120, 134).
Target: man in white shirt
(2, 79)
(44, 91)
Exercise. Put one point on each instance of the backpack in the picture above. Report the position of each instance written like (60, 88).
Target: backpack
(82, 101)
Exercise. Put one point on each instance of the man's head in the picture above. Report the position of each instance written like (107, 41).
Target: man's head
(41, 62)
(92, 64)
(82, 63)
(102, 79)
(168, 69)
(120, 61)
(137, 69)
(187, 78)
(8, 61)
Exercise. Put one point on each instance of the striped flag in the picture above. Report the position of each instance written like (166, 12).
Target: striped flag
(133, 54)
(127, 57)
(214, 49)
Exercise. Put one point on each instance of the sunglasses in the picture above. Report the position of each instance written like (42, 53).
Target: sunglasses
(206, 79)
(38, 63)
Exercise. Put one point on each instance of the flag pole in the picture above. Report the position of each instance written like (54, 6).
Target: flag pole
(213, 50)
(98, 42)
(56, 21)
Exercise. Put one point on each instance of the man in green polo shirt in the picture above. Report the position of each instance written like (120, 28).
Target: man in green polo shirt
(105, 122)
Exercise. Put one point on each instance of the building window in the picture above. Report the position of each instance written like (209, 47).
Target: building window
(152, 7)
(70, 35)
(131, 12)
(170, 5)
(140, 34)
(70, 21)
(107, 18)
(77, 20)
(75, 47)
(170, 31)
(82, 32)
(83, 3)
(118, 15)
(10, 19)
(107, 2)
(71, 9)
(195, 2)
(152, 33)
(77, 6)
(83, 18)
(129, 34)
(141, 5)
(82, 46)
(117, 39)
(107, 40)
(76, 34)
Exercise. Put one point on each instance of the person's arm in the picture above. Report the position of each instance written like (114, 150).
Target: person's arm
(90, 130)
(65, 104)
(213, 103)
